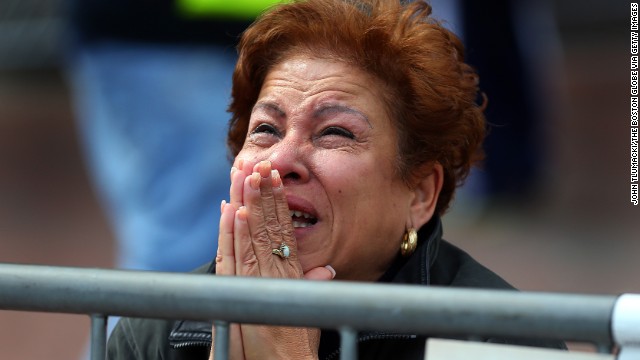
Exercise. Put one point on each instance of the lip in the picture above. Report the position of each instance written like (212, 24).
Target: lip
(300, 204)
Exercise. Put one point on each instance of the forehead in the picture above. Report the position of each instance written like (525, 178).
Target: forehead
(307, 79)
(311, 68)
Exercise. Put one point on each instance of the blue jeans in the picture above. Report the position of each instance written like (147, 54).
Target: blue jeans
(153, 123)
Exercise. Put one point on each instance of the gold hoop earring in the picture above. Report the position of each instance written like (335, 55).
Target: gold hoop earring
(409, 242)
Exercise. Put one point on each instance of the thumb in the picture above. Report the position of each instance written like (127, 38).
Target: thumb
(320, 273)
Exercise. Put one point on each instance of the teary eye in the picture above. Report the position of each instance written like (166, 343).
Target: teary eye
(334, 130)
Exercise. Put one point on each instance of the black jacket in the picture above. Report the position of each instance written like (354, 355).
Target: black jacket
(435, 262)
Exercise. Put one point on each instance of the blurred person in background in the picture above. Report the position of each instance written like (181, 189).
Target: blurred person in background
(515, 48)
(150, 84)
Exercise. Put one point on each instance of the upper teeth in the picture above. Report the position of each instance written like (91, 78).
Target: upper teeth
(300, 214)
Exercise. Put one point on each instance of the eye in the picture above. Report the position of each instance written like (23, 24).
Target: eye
(334, 130)
(265, 129)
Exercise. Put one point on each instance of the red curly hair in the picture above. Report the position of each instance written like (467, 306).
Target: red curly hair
(431, 94)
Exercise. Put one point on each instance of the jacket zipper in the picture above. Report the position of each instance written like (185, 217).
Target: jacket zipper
(184, 344)
(371, 337)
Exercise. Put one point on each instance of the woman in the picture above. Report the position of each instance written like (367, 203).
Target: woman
(353, 122)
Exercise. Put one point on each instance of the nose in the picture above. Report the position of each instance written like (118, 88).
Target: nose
(290, 157)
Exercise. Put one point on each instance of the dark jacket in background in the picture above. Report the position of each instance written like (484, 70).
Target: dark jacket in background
(435, 262)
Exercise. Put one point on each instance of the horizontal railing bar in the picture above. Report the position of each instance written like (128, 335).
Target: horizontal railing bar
(331, 304)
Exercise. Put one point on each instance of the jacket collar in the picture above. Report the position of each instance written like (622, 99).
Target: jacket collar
(415, 269)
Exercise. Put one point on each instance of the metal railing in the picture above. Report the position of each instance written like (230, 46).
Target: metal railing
(347, 307)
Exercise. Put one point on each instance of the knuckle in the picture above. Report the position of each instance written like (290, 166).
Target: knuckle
(271, 222)
(287, 232)
(262, 236)
(274, 227)
(250, 260)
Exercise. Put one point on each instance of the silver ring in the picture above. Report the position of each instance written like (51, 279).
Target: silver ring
(283, 251)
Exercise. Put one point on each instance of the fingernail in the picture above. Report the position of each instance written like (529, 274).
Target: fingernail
(332, 270)
(254, 181)
(233, 169)
(222, 204)
(241, 213)
(265, 168)
(276, 181)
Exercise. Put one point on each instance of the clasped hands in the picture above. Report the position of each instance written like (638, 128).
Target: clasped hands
(254, 222)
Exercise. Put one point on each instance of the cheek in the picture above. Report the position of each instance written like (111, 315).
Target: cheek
(358, 190)
(341, 179)
(365, 177)
(250, 155)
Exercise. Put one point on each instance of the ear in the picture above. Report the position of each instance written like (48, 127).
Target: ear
(426, 192)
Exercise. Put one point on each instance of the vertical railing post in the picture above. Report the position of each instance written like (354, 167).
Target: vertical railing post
(221, 345)
(348, 344)
(604, 348)
(625, 326)
(98, 337)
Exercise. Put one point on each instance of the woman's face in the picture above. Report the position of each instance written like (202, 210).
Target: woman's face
(324, 127)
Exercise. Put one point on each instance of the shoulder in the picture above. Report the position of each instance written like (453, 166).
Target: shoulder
(454, 267)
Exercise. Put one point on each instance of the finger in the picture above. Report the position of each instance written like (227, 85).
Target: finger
(246, 262)
(236, 347)
(283, 215)
(262, 244)
(225, 265)
(225, 259)
(320, 273)
(240, 170)
(270, 213)
(246, 166)
(236, 350)
(279, 342)
(238, 162)
(235, 191)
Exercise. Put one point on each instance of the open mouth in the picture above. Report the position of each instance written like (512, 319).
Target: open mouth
(302, 219)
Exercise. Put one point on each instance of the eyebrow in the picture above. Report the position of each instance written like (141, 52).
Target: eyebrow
(269, 107)
(334, 108)
(319, 112)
